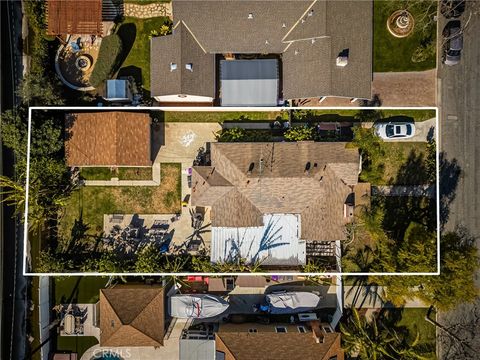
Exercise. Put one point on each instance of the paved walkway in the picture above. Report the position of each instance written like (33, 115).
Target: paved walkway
(149, 10)
(414, 88)
(401, 190)
(116, 182)
(371, 297)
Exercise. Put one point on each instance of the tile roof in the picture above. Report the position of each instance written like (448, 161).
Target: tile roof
(181, 48)
(251, 179)
(74, 17)
(266, 344)
(309, 35)
(108, 138)
(132, 315)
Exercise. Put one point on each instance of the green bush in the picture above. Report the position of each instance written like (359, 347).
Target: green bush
(108, 59)
(299, 134)
(231, 135)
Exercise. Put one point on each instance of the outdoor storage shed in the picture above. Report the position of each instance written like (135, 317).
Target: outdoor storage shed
(249, 82)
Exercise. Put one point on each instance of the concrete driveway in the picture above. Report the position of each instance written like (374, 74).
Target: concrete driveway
(414, 88)
(424, 130)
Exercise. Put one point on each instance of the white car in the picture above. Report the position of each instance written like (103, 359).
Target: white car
(394, 130)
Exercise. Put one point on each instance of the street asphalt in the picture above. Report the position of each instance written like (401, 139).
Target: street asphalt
(459, 103)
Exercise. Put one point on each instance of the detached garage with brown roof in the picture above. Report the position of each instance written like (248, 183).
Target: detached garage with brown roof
(108, 138)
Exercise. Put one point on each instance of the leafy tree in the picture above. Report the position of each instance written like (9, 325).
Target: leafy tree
(107, 263)
(148, 260)
(373, 340)
(455, 284)
(299, 133)
(373, 152)
(37, 89)
(52, 263)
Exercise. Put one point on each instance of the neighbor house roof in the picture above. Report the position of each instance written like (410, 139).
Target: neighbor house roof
(247, 180)
(239, 344)
(74, 17)
(309, 34)
(108, 138)
(179, 50)
(132, 315)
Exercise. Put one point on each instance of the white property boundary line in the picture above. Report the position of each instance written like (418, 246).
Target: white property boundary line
(230, 109)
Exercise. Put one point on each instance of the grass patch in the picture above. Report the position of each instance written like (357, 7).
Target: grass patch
(395, 54)
(392, 163)
(107, 61)
(91, 202)
(219, 117)
(96, 173)
(145, 2)
(136, 53)
(138, 173)
(413, 320)
(78, 344)
(76, 289)
(417, 115)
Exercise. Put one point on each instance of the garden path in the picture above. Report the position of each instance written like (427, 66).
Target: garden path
(148, 10)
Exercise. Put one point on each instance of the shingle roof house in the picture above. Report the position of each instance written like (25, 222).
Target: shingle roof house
(108, 138)
(268, 200)
(325, 48)
(236, 342)
(74, 17)
(132, 315)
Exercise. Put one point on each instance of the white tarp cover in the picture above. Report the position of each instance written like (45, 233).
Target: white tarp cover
(197, 306)
(275, 243)
(291, 302)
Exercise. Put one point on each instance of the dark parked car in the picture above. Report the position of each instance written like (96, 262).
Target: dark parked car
(453, 39)
(452, 8)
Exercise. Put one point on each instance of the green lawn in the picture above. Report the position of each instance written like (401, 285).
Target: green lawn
(82, 290)
(78, 344)
(218, 117)
(404, 157)
(413, 319)
(90, 203)
(394, 54)
(417, 115)
(96, 173)
(136, 47)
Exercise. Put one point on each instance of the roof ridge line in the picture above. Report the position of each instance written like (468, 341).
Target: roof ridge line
(135, 318)
(298, 21)
(305, 39)
(194, 37)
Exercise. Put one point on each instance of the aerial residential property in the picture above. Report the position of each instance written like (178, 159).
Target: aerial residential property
(250, 53)
(239, 179)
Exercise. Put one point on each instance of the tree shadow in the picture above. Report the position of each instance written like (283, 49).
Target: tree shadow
(128, 34)
(449, 175)
(133, 71)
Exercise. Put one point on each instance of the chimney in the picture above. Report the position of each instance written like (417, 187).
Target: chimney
(318, 335)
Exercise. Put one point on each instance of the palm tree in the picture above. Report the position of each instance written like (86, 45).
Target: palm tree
(365, 340)
(372, 340)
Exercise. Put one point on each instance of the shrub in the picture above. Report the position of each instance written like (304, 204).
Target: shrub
(299, 134)
(231, 135)
(108, 59)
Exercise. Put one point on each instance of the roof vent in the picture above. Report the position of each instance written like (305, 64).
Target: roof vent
(189, 66)
(284, 25)
(250, 16)
(342, 61)
(303, 20)
(296, 52)
(173, 66)
(342, 58)
(266, 42)
(307, 167)
(310, 13)
(250, 168)
(313, 41)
